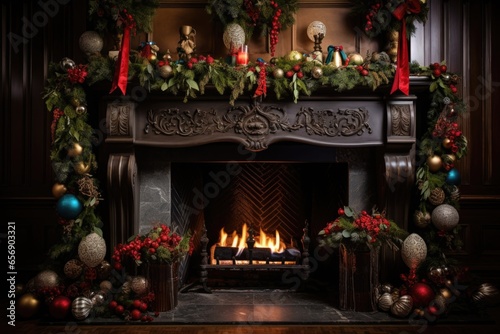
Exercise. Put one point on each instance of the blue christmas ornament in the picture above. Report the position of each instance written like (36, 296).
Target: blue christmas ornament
(453, 177)
(69, 206)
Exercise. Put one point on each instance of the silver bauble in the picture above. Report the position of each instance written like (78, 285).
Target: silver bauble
(81, 109)
(445, 217)
(414, 250)
(91, 42)
(98, 298)
(81, 307)
(46, 279)
(104, 270)
(385, 301)
(486, 294)
(386, 288)
(67, 63)
(317, 72)
(402, 307)
(278, 73)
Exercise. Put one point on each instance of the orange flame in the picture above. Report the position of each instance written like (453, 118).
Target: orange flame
(261, 241)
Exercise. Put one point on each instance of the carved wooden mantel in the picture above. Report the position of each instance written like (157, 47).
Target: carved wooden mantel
(365, 119)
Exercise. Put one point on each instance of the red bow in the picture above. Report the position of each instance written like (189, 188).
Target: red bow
(402, 77)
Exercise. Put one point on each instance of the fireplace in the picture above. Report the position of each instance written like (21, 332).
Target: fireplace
(272, 165)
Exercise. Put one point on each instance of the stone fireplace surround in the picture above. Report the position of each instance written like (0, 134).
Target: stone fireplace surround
(153, 142)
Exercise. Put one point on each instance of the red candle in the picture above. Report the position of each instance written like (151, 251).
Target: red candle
(242, 56)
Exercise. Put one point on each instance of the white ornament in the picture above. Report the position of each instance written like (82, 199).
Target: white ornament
(445, 217)
(92, 250)
(91, 42)
(234, 36)
(315, 28)
(81, 307)
(414, 250)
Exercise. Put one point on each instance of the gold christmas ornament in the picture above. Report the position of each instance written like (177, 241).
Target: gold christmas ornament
(92, 250)
(75, 150)
(166, 71)
(295, 55)
(73, 268)
(402, 307)
(355, 59)
(27, 305)
(46, 279)
(437, 196)
(447, 143)
(414, 250)
(139, 285)
(435, 163)
(75, 102)
(317, 72)
(81, 307)
(105, 286)
(419, 219)
(278, 73)
(446, 293)
(82, 167)
(385, 302)
(103, 270)
(98, 298)
(58, 189)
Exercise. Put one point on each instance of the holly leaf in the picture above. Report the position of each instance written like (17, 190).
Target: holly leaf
(433, 86)
(192, 84)
(164, 86)
(98, 231)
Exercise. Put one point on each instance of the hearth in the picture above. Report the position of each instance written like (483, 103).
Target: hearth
(207, 166)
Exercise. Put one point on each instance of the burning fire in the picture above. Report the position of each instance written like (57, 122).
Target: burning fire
(261, 241)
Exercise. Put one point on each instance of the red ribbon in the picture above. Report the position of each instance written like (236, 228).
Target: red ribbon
(402, 77)
(121, 71)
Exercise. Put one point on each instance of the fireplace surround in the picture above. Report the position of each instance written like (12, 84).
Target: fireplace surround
(159, 149)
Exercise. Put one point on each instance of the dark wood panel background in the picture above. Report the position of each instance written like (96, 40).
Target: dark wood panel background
(461, 32)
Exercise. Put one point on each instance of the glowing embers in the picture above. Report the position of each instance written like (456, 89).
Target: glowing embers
(245, 248)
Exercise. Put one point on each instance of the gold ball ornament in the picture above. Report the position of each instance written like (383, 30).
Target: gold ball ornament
(166, 71)
(317, 72)
(81, 307)
(446, 143)
(413, 251)
(355, 59)
(105, 286)
(278, 73)
(446, 293)
(92, 250)
(98, 298)
(73, 268)
(75, 150)
(75, 102)
(139, 285)
(437, 196)
(295, 55)
(435, 163)
(402, 307)
(46, 279)
(419, 218)
(82, 167)
(103, 270)
(27, 305)
(385, 302)
(58, 189)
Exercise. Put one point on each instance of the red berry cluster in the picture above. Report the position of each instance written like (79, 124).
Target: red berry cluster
(136, 249)
(56, 114)
(77, 74)
(275, 28)
(438, 70)
(445, 128)
(369, 17)
(252, 11)
(295, 69)
(372, 224)
(362, 70)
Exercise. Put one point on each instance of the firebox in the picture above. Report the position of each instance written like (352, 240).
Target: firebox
(255, 174)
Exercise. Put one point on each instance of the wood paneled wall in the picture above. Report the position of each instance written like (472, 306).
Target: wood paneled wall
(459, 31)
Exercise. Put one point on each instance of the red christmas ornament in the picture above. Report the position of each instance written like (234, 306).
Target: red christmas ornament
(422, 294)
(59, 308)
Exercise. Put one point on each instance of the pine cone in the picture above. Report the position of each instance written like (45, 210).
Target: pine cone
(455, 194)
(437, 196)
